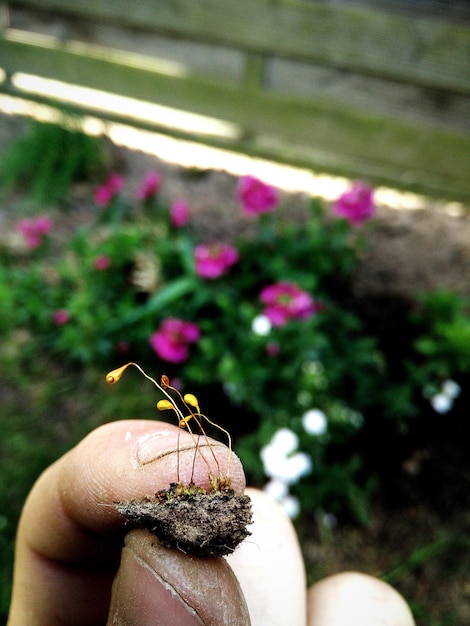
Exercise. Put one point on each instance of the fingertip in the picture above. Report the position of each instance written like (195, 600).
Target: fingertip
(74, 501)
(269, 566)
(159, 585)
(133, 459)
(70, 521)
(356, 599)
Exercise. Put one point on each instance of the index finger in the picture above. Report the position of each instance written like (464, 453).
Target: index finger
(70, 534)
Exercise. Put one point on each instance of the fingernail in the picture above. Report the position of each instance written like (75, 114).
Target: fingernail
(159, 585)
(141, 597)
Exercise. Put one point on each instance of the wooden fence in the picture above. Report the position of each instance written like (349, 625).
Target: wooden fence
(338, 88)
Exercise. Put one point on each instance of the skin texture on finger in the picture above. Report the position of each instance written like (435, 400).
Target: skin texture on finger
(70, 535)
(159, 586)
(353, 599)
(270, 568)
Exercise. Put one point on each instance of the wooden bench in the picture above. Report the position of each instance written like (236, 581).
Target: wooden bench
(340, 88)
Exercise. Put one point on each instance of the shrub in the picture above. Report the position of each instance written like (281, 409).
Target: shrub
(259, 328)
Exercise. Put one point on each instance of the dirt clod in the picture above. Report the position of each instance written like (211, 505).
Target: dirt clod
(197, 523)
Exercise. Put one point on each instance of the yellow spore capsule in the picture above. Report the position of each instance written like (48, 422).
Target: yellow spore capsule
(165, 405)
(115, 375)
(191, 399)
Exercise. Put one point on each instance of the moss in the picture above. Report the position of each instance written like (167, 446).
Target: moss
(193, 521)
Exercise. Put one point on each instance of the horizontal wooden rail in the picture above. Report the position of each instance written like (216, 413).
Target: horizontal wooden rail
(322, 132)
(421, 51)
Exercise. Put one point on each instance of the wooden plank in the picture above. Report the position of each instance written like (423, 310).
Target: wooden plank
(419, 51)
(320, 131)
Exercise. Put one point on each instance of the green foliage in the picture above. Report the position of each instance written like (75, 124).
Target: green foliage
(30, 441)
(448, 553)
(444, 323)
(93, 302)
(99, 297)
(49, 158)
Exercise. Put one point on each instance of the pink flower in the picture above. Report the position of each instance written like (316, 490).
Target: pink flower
(150, 186)
(179, 213)
(286, 301)
(43, 225)
(214, 259)
(106, 192)
(101, 262)
(357, 204)
(60, 317)
(33, 230)
(171, 341)
(255, 196)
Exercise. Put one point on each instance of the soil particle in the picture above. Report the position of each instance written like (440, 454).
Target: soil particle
(197, 523)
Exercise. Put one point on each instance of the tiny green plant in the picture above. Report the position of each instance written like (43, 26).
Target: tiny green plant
(189, 401)
(186, 516)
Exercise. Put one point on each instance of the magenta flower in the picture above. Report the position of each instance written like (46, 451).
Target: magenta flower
(356, 204)
(33, 230)
(108, 190)
(214, 259)
(179, 213)
(286, 301)
(171, 341)
(43, 225)
(60, 317)
(255, 196)
(150, 186)
(101, 262)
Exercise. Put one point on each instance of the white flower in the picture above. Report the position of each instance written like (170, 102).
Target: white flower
(279, 491)
(288, 469)
(441, 403)
(450, 389)
(315, 422)
(285, 440)
(279, 460)
(271, 457)
(276, 488)
(292, 468)
(261, 325)
(291, 505)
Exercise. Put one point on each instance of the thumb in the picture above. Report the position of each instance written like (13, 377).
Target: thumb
(156, 585)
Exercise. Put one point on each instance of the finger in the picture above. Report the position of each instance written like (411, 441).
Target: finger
(181, 590)
(270, 567)
(70, 534)
(353, 599)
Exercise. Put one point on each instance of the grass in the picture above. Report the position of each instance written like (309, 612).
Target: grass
(48, 158)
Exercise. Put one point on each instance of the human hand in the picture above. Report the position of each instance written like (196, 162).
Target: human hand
(70, 538)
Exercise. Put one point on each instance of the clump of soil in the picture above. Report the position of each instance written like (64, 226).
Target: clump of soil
(193, 521)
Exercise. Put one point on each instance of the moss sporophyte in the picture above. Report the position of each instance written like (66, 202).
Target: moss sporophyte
(194, 520)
